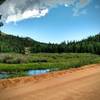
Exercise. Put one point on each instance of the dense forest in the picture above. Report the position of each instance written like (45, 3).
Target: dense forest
(10, 43)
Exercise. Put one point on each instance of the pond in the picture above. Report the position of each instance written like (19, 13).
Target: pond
(4, 75)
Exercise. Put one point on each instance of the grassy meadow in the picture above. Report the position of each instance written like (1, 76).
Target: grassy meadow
(12, 62)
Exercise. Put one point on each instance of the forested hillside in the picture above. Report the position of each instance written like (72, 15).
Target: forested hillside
(9, 43)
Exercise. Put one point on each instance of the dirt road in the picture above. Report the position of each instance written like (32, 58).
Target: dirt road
(75, 84)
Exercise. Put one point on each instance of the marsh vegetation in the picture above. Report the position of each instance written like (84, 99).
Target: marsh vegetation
(19, 63)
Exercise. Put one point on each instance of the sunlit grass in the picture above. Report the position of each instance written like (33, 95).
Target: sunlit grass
(18, 62)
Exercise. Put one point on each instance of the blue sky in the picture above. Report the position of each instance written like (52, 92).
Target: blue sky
(59, 24)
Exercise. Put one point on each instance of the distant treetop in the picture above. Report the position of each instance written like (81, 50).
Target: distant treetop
(1, 1)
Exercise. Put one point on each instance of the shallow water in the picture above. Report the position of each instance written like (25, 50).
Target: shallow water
(36, 72)
(4, 75)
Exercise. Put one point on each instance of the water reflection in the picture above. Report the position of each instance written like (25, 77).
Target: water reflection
(36, 72)
(4, 75)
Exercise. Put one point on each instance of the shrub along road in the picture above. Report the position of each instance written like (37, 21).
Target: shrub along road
(74, 84)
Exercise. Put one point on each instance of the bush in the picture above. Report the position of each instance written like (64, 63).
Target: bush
(7, 59)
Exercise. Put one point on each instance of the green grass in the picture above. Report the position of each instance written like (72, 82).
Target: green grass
(18, 62)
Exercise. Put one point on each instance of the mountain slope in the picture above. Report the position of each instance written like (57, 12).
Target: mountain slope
(10, 43)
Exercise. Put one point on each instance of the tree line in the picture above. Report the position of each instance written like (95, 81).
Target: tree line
(10, 43)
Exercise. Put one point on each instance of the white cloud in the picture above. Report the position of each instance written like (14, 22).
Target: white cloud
(79, 7)
(35, 13)
(15, 10)
(66, 5)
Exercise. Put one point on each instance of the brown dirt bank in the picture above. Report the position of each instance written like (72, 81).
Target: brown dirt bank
(74, 84)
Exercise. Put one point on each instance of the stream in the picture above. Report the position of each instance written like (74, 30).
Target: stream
(4, 75)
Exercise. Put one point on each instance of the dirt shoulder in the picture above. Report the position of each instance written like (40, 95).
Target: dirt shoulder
(74, 84)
